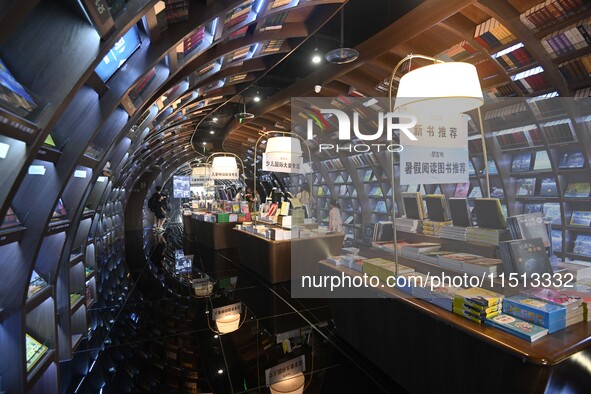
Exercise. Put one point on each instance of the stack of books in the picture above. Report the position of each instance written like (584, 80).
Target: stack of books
(486, 236)
(453, 232)
(413, 250)
(432, 257)
(572, 304)
(532, 310)
(515, 326)
(443, 296)
(434, 228)
(383, 269)
(477, 304)
(409, 225)
(455, 261)
(482, 266)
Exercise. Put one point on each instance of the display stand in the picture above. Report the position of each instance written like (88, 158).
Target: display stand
(409, 339)
(272, 260)
(213, 235)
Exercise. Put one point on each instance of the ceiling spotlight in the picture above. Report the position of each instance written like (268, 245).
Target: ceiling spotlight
(212, 132)
(316, 58)
(220, 371)
(204, 143)
(215, 119)
(256, 99)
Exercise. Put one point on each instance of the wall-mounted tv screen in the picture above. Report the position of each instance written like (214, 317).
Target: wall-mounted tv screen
(119, 54)
(181, 186)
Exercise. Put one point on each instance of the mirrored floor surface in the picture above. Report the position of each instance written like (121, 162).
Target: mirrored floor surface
(158, 334)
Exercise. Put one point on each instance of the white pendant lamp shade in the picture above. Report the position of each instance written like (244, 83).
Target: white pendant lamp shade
(450, 88)
(203, 290)
(293, 385)
(228, 323)
(284, 145)
(199, 171)
(220, 163)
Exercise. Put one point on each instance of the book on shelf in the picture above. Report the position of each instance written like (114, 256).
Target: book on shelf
(36, 284)
(551, 212)
(531, 80)
(476, 192)
(34, 351)
(177, 10)
(558, 131)
(580, 218)
(526, 186)
(542, 161)
(549, 12)
(436, 207)
(59, 212)
(515, 326)
(492, 168)
(10, 220)
(497, 192)
(492, 34)
(279, 3)
(529, 226)
(376, 191)
(556, 240)
(568, 39)
(13, 96)
(471, 169)
(576, 69)
(525, 257)
(381, 207)
(489, 213)
(514, 57)
(533, 207)
(460, 51)
(582, 245)
(521, 162)
(548, 187)
(578, 190)
(274, 22)
(462, 189)
(413, 205)
(572, 160)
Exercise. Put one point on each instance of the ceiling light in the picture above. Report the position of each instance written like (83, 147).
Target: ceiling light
(342, 55)
(204, 143)
(220, 371)
(212, 132)
(215, 119)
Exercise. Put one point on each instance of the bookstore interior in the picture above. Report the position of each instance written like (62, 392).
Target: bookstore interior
(195, 198)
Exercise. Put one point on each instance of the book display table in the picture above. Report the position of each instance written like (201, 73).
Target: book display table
(213, 235)
(426, 348)
(272, 260)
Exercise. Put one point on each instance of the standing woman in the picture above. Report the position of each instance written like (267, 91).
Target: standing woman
(305, 198)
(335, 222)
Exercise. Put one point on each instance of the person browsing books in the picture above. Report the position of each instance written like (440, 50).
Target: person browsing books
(335, 222)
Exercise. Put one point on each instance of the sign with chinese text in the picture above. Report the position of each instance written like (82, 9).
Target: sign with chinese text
(224, 173)
(440, 153)
(283, 162)
(221, 312)
(285, 370)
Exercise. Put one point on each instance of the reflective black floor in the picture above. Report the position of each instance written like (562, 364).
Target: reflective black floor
(168, 345)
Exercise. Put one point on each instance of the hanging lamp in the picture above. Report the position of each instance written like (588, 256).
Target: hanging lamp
(342, 55)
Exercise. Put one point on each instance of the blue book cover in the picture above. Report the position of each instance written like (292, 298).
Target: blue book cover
(548, 187)
(516, 326)
(581, 218)
(545, 314)
(521, 162)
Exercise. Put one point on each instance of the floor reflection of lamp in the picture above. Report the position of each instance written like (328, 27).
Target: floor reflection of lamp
(293, 385)
(451, 86)
(228, 324)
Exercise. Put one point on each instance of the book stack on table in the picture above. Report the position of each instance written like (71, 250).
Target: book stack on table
(477, 304)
